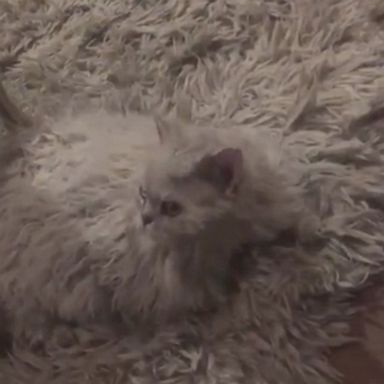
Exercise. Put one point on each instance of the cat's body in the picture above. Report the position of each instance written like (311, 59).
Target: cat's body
(77, 243)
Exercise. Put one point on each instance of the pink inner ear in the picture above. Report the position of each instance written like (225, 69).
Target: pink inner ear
(229, 157)
(231, 162)
(223, 169)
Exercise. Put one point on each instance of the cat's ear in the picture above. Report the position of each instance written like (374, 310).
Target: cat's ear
(167, 131)
(224, 170)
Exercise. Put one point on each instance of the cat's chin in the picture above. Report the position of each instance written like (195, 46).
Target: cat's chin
(157, 235)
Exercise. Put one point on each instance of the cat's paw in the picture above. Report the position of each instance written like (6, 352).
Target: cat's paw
(40, 334)
(63, 336)
(30, 338)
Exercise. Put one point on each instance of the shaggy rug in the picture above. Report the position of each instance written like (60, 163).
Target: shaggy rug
(300, 68)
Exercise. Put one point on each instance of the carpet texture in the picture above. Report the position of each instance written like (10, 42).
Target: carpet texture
(300, 68)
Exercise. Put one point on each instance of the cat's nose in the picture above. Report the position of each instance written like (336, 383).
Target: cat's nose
(147, 219)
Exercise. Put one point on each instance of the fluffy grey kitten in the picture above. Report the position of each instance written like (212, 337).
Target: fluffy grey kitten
(103, 216)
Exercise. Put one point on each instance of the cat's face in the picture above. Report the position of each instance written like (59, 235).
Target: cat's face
(179, 196)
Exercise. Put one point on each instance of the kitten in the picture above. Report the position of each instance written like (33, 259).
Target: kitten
(86, 238)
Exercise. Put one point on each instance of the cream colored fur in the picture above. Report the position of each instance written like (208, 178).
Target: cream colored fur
(74, 248)
(300, 70)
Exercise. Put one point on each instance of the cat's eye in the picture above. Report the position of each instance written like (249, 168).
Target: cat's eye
(170, 208)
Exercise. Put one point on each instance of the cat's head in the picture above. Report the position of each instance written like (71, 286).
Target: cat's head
(187, 186)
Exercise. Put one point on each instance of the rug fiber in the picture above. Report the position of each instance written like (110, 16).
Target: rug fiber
(302, 69)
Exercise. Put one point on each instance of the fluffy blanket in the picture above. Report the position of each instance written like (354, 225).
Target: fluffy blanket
(300, 68)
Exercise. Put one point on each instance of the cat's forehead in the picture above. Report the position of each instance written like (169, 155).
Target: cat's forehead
(164, 166)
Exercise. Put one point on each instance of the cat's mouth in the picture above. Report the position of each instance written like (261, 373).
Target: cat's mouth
(151, 227)
(147, 219)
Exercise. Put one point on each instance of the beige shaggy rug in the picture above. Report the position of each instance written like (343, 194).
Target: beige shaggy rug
(301, 68)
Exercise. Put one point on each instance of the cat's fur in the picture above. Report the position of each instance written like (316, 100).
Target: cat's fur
(72, 242)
